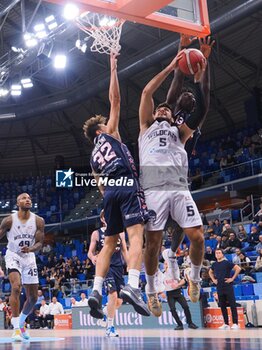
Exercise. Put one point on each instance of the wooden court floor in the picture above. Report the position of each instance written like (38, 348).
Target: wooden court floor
(136, 339)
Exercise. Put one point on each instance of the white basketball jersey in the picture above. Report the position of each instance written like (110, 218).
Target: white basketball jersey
(163, 159)
(21, 234)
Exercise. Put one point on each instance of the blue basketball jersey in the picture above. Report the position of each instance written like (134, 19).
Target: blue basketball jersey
(116, 259)
(111, 158)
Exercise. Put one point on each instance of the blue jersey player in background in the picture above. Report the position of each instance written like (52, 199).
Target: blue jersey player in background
(124, 203)
(114, 280)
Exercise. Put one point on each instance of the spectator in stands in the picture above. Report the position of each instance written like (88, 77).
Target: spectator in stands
(83, 301)
(40, 297)
(50, 262)
(259, 245)
(196, 180)
(230, 160)
(2, 305)
(180, 258)
(258, 217)
(259, 229)
(223, 163)
(46, 249)
(220, 274)
(2, 261)
(217, 207)
(233, 243)
(60, 262)
(209, 254)
(55, 308)
(78, 268)
(43, 313)
(244, 263)
(209, 230)
(205, 279)
(73, 302)
(85, 247)
(236, 258)
(242, 235)
(224, 242)
(8, 314)
(258, 265)
(227, 229)
(253, 239)
(247, 207)
(219, 240)
(186, 259)
(217, 227)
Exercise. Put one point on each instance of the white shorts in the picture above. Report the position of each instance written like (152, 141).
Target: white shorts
(179, 204)
(25, 265)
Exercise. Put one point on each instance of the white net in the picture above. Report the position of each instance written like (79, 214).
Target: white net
(105, 30)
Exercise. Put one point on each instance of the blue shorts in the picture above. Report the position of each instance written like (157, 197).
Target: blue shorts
(114, 280)
(123, 208)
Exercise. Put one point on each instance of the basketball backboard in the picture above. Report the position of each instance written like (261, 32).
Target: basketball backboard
(184, 16)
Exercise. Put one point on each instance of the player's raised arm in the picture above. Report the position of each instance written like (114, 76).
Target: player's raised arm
(5, 226)
(176, 86)
(202, 80)
(114, 98)
(146, 108)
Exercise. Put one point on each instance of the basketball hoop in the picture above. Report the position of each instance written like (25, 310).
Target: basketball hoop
(105, 30)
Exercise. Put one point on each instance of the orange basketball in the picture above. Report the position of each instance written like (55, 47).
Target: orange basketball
(190, 58)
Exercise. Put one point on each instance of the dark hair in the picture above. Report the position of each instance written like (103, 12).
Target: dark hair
(91, 126)
(219, 249)
(164, 104)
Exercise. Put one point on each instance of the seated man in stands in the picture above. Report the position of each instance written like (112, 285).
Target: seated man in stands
(236, 258)
(209, 254)
(258, 247)
(233, 244)
(253, 240)
(55, 308)
(43, 314)
(258, 265)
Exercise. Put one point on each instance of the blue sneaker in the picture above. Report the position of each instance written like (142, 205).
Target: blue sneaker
(111, 332)
(24, 333)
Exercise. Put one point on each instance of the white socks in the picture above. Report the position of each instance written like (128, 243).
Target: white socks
(98, 284)
(151, 285)
(133, 278)
(195, 273)
(15, 322)
(110, 322)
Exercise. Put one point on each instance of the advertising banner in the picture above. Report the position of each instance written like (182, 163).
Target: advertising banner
(126, 317)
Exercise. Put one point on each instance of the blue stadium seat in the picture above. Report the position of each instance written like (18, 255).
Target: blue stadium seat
(81, 276)
(258, 289)
(238, 290)
(259, 277)
(247, 289)
(229, 257)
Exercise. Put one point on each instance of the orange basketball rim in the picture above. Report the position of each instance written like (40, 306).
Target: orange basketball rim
(184, 16)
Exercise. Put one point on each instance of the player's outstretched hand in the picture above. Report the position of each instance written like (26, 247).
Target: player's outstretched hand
(206, 46)
(201, 67)
(186, 40)
(174, 63)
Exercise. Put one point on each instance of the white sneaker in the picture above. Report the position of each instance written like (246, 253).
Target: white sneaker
(16, 336)
(224, 327)
(235, 326)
